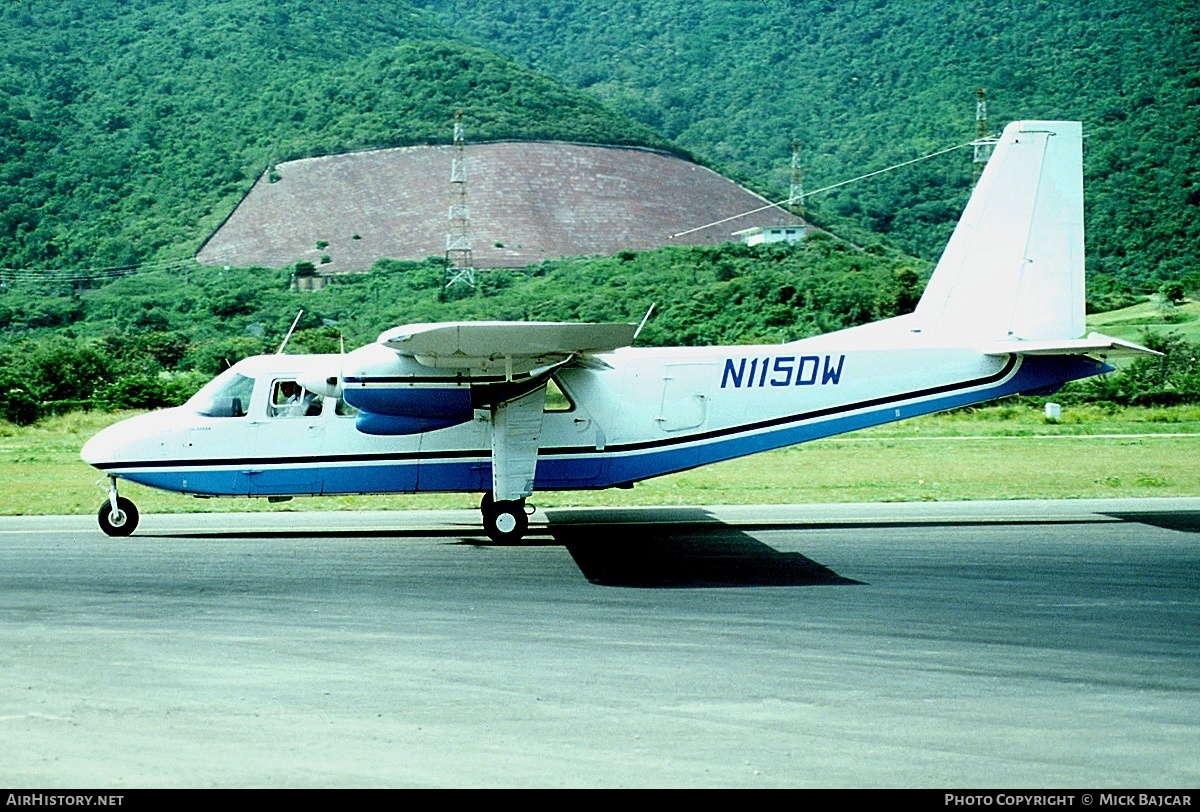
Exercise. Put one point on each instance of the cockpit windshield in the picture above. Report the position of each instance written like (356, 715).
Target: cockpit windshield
(227, 395)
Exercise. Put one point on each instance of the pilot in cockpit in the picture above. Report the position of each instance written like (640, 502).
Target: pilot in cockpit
(292, 400)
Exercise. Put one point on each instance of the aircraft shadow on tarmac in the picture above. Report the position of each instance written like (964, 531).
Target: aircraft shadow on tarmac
(657, 556)
(637, 548)
(1183, 521)
(690, 551)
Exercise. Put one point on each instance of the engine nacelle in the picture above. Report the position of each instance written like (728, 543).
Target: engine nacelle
(409, 409)
(452, 403)
(397, 395)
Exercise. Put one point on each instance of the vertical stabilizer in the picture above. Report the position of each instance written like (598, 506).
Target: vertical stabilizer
(1014, 267)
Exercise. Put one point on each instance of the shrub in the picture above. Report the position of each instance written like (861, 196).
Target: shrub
(16, 404)
(132, 392)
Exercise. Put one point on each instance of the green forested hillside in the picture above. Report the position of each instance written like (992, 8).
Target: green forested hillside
(128, 130)
(864, 84)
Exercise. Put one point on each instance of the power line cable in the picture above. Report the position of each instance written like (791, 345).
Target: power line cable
(52, 275)
(824, 189)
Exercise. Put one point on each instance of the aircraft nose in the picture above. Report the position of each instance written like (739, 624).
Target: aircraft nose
(135, 438)
(101, 448)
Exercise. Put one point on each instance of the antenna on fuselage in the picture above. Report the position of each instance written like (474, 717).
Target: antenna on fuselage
(291, 330)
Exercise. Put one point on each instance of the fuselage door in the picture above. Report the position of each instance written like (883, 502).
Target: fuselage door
(289, 436)
(686, 393)
(570, 427)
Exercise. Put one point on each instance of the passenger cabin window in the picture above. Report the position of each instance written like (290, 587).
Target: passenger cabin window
(227, 395)
(290, 399)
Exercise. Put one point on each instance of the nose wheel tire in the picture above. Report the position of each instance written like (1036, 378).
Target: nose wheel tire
(506, 522)
(120, 522)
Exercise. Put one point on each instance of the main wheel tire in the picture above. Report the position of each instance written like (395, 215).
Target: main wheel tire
(487, 505)
(121, 523)
(507, 522)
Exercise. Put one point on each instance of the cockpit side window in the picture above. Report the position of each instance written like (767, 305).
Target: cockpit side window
(290, 399)
(227, 395)
(556, 399)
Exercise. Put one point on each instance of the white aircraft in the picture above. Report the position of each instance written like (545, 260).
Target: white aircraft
(464, 407)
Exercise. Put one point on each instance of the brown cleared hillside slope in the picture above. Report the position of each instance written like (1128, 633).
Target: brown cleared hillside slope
(529, 201)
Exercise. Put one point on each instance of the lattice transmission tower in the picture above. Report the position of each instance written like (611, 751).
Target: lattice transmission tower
(983, 142)
(796, 191)
(460, 264)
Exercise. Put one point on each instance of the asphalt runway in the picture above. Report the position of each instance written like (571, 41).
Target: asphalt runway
(998, 644)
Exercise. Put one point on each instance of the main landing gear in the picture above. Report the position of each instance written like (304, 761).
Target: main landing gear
(118, 516)
(505, 522)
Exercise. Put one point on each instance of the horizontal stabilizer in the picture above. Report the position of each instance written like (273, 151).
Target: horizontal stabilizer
(470, 344)
(1094, 344)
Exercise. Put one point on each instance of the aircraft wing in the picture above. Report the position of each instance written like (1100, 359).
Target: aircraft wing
(1094, 344)
(480, 344)
(499, 366)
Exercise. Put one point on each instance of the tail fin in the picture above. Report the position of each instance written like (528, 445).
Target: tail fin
(1014, 267)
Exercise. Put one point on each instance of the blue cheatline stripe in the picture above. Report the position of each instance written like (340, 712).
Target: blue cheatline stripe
(584, 467)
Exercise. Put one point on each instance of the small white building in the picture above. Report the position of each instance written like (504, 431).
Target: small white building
(761, 234)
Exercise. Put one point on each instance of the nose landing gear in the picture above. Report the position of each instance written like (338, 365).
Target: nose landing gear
(117, 516)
